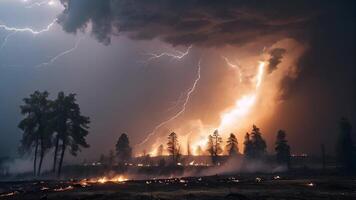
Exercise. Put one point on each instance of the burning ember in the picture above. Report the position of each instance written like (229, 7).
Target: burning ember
(311, 184)
(103, 180)
(61, 189)
(8, 194)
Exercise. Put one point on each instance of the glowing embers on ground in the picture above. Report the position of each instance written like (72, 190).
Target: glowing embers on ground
(9, 194)
(61, 189)
(103, 180)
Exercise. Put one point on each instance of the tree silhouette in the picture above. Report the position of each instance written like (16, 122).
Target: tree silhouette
(188, 148)
(71, 127)
(345, 149)
(123, 149)
(111, 158)
(160, 150)
(258, 143)
(214, 146)
(282, 148)
(232, 145)
(173, 147)
(248, 146)
(199, 151)
(36, 127)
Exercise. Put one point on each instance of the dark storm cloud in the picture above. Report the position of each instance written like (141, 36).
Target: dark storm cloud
(276, 58)
(325, 86)
(201, 22)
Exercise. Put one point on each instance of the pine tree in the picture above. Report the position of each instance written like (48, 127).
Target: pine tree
(71, 127)
(282, 148)
(111, 158)
(258, 143)
(160, 150)
(247, 146)
(173, 146)
(232, 145)
(214, 146)
(188, 148)
(345, 148)
(199, 151)
(123, 149)
(36, 127)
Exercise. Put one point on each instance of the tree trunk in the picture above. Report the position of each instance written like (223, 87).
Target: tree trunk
(55, 154)
(35, 160)
(41, 158)
(61, 159)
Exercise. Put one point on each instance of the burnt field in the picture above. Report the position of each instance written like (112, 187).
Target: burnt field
(259, 187)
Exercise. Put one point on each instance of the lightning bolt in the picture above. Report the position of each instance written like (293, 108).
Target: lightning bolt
(6, 39)
(177, 102)
(178, 55)
(186, 101)
(38, 4)
(27, 29)
(51, 61)
(36, 32)
(234, 66)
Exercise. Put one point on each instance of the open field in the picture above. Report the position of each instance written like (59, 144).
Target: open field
(214, 187)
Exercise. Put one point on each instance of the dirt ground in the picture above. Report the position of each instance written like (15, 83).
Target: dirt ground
(202, 188)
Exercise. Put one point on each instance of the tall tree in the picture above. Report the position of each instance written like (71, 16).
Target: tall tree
(36, 126)
(214, 146)
(232, 145)
(173, 147)
(247, 146)
(345, 149)
(199, 151)
(188, 148)
(111, 158)
(71, 127)
(282, 148)
(123, 149)
(258, 143)
(160, 150)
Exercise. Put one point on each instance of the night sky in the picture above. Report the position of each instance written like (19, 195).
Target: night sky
(105, 56)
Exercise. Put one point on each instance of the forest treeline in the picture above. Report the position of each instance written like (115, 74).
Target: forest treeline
(255, 147)
(57, 125)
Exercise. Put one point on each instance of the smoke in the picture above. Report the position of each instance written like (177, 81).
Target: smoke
(236, 165)
(23, 165)
(276, 58)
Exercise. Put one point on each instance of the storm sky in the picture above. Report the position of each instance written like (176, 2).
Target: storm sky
(308, 47)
